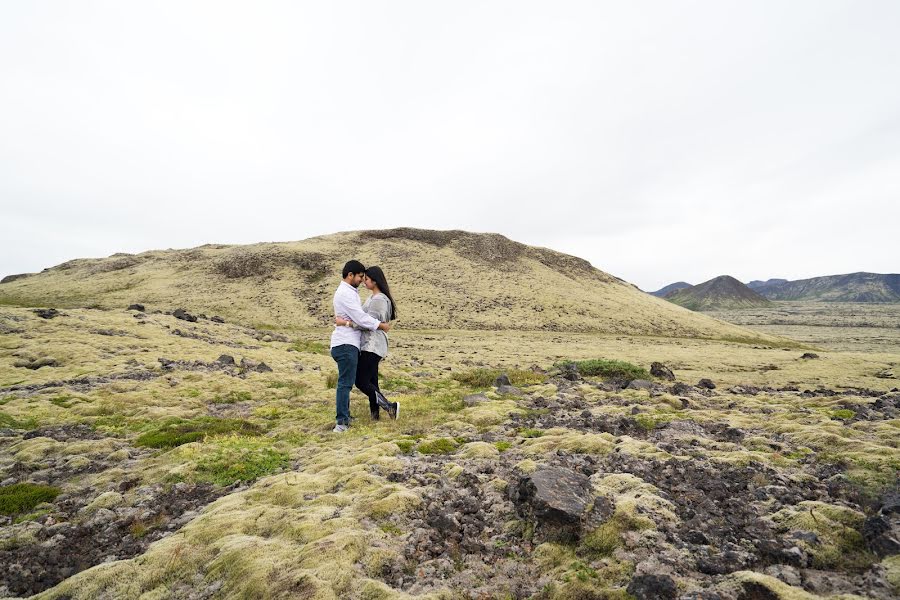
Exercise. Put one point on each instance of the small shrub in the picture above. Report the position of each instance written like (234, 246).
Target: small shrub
(842, 414)
(438, 446)
(176, 432)
(331, 381)
(22, 497)
(608, 369)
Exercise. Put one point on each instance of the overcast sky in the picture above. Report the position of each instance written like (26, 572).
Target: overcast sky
(662, 141)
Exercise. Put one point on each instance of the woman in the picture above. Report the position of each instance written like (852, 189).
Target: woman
(374, 344)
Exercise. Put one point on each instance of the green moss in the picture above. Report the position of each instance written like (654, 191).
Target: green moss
(503, 446)
(485, 378)
(405, 446)
(840, 543)
(608, 369)
(240, 459)
(645, 422)
(232, 397)
(526, 432)
(608, 536)
(438, 446)
(310, 347)
(13, 423)
(22, 497)
(842, 414)
(176, 432)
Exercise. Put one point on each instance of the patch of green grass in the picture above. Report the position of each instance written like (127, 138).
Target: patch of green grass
(310, 347)
(232, 397)
(331, 381)
(485, 378)
(396, 382)
(842, 414)
(176, 432)
(11, 422)
(240, 459)
(23, 497)
(503, 446)
(438, 446)
(192, 393)
(603, 540)
(527, 432)
(405, 446)
(608, 369)
(6, 400)
(645, 422)
(62, 401)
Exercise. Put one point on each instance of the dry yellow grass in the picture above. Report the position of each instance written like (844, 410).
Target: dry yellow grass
(446, 280)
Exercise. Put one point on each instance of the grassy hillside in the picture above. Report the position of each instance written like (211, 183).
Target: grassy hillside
(441, 279)
(722, 292)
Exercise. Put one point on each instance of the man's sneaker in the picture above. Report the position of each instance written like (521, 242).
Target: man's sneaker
(393, 410)
(340, 429)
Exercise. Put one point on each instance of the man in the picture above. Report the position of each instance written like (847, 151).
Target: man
(345, 340)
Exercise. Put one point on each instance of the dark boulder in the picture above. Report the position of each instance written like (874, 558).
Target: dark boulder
(252, 365)
(639, 384)
(881, 531)
(652, 587)
(137, 307)
(555, 499)
(502, 380)
(809, 355)
(706, 384)
(216, 319)
(682, 389)
(226, 360)
(661, 371)
(182, 314)
(46, 313)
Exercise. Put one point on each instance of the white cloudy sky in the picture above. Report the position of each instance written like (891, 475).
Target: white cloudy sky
(659, 140)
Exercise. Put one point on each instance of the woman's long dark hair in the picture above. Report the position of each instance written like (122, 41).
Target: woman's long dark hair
(377, 275)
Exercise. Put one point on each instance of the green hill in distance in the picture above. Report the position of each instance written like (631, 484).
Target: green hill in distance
(721, 292)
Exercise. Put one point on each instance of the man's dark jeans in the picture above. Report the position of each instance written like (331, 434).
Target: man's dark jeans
(347, 357)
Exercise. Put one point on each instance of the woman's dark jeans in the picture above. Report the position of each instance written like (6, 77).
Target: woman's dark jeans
(367, 378)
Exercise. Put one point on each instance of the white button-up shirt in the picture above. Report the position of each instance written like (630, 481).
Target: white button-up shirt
(348, 306)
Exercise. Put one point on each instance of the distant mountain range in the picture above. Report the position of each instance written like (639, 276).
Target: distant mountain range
(853, 287)
(722, 292)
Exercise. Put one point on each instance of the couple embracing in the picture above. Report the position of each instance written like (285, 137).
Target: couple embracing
(359, 341)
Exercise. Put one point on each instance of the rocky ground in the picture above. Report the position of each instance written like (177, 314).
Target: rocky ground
(174, 455)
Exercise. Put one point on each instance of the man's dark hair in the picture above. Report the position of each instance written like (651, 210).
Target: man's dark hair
(352, 266)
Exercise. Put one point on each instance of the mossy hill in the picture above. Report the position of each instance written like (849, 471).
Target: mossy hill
(441, 279)
(722, 292)
(852, 287)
